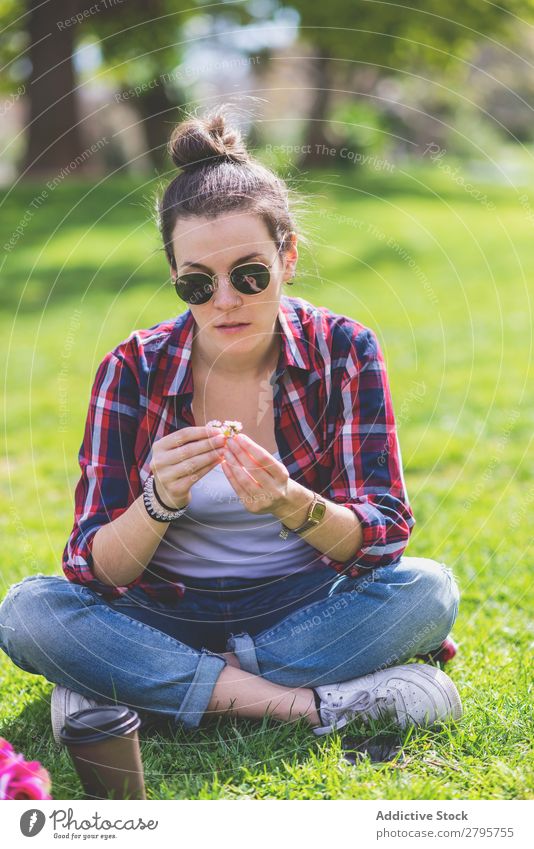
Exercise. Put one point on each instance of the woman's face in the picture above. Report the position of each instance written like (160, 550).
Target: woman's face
(216, 246)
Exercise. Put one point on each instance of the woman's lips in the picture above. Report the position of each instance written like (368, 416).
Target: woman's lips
(231, 329)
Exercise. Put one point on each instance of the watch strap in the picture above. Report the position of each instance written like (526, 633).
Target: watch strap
(310, 521)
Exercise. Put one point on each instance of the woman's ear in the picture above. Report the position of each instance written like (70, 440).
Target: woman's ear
(291, 256)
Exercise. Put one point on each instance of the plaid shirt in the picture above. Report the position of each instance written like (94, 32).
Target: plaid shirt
(334, 426)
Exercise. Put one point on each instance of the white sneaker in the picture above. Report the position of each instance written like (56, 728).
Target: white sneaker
(413, 694)
(63, 703)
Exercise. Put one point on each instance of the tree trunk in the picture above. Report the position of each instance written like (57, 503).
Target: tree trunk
(157, 113)
(317, 136)
(54, 138)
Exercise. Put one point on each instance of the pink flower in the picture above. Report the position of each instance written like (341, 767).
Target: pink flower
(6, 750)
(20, 779)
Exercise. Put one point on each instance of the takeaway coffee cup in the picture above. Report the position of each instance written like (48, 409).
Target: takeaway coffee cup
(104, 745)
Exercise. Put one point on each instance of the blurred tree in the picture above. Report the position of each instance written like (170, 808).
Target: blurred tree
(54, 137)
(387, 35)
(141, 43)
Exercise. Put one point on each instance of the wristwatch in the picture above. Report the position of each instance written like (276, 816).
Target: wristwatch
(154, 507)
(315, 514)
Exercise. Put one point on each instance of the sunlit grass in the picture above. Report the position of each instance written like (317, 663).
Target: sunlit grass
(446, 290)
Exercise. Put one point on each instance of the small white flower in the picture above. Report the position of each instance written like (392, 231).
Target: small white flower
(231, 428)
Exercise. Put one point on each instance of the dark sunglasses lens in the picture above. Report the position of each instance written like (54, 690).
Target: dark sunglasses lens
(251, 279)
(194, 288)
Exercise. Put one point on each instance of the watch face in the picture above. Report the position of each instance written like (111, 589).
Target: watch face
(318, 511)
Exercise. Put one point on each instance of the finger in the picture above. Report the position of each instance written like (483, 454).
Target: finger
(186, 435)
(234, 479)
(191, 465)
(207, 467)
(193, 477)
(189, 480)
(248, 493)
(256, 451)
(241, 474)
(192, 461)
(252, 456)
(194, 449)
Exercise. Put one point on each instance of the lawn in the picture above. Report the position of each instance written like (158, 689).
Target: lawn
(442, 277)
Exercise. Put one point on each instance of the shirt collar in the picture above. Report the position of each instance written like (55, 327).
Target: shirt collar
(179, 375)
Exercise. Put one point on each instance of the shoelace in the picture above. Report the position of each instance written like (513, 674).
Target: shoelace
(381, 700)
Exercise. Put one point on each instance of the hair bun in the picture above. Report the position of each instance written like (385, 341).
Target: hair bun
(198, 142)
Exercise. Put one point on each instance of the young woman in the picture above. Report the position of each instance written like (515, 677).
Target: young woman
(249, 574)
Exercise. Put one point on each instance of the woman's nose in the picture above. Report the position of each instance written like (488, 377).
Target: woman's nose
(224, 291)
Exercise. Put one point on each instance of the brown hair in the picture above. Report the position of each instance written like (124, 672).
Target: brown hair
(219, 175)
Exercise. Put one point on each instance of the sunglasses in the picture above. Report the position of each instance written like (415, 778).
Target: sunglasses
(197, 287)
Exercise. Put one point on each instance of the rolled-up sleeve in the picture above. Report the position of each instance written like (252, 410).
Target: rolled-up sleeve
(367, 475)
(109, 480)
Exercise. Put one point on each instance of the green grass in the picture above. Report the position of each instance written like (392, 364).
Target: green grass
(449, 299)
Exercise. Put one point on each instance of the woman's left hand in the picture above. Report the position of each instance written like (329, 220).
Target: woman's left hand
(260, 480)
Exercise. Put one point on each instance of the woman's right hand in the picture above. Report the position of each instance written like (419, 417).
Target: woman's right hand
(181, 458)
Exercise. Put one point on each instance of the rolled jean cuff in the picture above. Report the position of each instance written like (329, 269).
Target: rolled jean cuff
(244, 649)
(197, 698)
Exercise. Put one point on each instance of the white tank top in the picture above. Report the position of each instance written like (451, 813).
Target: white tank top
(218, 537)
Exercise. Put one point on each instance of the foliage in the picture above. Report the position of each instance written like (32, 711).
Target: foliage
(13, 45)
(395, 33)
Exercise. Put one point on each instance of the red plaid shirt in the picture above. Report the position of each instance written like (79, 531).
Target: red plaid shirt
(334, 426)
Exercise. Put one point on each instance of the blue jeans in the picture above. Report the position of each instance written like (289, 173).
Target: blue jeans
(163, 659)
